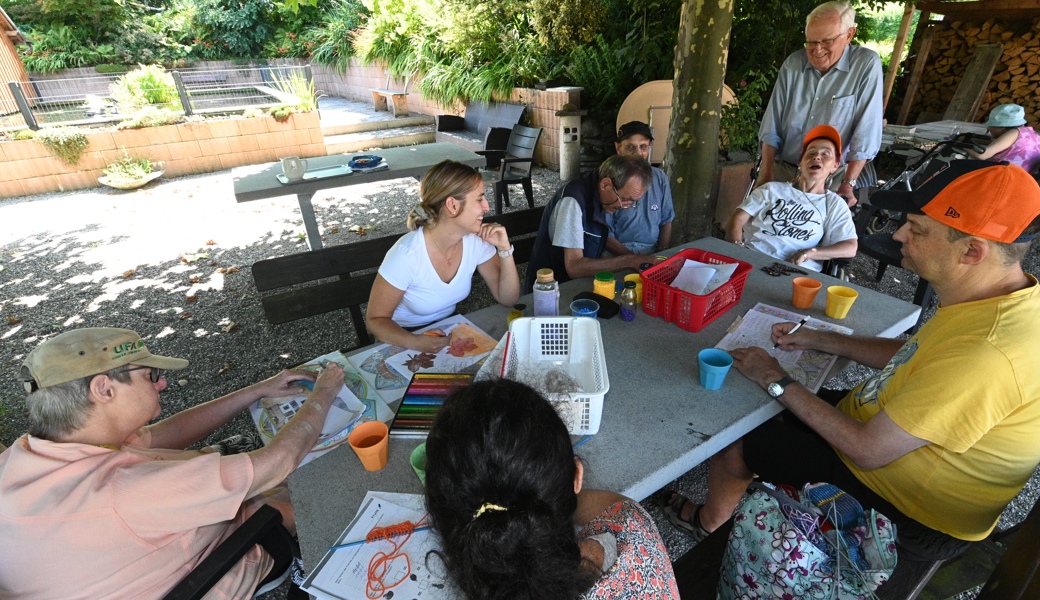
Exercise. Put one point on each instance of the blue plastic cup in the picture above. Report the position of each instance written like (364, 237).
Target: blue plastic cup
(714, 365)
(584, 308)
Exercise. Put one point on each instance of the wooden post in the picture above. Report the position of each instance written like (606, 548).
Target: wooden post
(693, 136)
(897, 51)
(918, 72)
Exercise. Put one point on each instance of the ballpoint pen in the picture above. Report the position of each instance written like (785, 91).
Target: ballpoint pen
(793, 329)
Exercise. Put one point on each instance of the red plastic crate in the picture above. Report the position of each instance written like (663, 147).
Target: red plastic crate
(689, 311)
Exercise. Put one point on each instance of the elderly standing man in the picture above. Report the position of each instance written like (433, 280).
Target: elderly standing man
(647, 227)
(943, 435)
(95, 503)
(830, 83)
(573, 233)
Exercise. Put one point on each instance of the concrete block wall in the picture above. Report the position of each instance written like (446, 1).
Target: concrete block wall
(26, 167)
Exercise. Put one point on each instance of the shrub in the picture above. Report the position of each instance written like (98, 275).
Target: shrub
(24, 134)
(62, 47)
(144, 86)
(282, 112)
(252, 113)
(297, 84)
(127, 169)
(740, 121)
(67, 144)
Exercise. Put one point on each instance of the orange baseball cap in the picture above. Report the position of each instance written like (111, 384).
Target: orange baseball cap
(826, 132)
(994, 201)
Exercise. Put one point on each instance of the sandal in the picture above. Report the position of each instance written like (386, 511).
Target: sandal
(673, 507)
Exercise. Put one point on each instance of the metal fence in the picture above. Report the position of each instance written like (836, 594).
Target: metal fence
(96, 100)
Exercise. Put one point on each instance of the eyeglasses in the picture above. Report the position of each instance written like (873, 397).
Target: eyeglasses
(625, 203)
(154, 374)
(630, 148)
(826, 42)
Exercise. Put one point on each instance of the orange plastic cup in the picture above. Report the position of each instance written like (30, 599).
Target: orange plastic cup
(371, 443)
(803, 291)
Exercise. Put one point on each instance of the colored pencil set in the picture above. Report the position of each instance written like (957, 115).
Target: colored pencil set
(423, 400)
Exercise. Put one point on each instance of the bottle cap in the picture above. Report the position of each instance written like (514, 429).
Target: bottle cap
(630, 285)
(545, 275)
(520, 306)
(605, 276)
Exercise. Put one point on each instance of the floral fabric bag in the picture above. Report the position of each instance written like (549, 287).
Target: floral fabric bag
(815, 543)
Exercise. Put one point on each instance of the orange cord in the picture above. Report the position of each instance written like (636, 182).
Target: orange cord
(398, 535)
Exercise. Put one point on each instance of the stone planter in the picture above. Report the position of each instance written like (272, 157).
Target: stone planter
(27, 168)
(129, 184)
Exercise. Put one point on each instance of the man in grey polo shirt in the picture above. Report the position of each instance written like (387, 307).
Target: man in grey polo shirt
(830, 83)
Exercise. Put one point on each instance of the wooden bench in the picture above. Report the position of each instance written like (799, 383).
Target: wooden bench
(398, 104)
(1008, 558)
(338, 277)
(486, 126)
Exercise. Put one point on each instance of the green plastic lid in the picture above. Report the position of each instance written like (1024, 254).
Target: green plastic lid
(605, 276)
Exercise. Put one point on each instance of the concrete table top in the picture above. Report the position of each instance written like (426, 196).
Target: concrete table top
(258, 182)
(657, 422)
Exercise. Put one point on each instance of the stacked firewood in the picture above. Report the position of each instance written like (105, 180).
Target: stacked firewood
(1016, 78)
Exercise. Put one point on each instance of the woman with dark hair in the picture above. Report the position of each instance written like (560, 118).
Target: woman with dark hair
(430, 269)
(504, 492)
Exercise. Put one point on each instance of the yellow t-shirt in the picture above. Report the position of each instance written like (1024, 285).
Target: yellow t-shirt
(969, 383)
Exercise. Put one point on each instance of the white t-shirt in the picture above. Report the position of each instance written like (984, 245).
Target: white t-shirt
(785, 220)
(407, 267)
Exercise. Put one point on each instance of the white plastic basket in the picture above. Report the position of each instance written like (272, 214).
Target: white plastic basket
(570, 344)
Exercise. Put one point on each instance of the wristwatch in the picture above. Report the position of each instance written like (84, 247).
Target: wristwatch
(851, 182)
(777, 388)
(506, 253)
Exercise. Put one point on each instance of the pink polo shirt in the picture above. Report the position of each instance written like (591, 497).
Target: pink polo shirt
(81, 521)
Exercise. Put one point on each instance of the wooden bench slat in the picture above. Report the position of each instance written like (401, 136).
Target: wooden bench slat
(317, 299)
(332, 261)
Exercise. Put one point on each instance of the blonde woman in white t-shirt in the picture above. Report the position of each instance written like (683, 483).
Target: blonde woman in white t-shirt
(430, 269)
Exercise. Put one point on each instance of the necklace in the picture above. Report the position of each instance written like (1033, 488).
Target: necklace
(448, 255)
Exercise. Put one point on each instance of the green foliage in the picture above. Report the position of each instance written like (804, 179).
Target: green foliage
(252, 113)
(599, 69)
(24, 134)
(151, 116)
(740, 121)
(146, 85)
(568, 24)
(106, 68)
(333, 37)
(145, 42)
(67, 144)
(94, 18)
(297, 84)
(127, 169)
(62, 47)
(282, 112)
(231, 27)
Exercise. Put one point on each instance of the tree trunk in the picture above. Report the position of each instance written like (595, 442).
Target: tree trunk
(693, 148)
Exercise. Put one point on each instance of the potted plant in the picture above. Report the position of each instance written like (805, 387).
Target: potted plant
(130, 173)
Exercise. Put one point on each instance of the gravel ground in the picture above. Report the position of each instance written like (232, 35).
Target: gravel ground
(171, 261)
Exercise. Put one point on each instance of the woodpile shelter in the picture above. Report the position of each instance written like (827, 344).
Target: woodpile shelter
(969, 57)
(11, 68)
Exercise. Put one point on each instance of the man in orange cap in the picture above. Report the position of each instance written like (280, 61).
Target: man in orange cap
(96, 503)
(801, 221)
(943, 435)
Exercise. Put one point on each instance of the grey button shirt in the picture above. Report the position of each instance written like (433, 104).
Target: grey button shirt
(847, 98)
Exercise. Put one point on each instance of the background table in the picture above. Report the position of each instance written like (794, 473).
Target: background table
(928, 133)
(657, 423)
(258, 182)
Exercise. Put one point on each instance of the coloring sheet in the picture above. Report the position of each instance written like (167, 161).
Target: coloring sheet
(808, 367)
(388, 369)
(343, 573)
(347, 410)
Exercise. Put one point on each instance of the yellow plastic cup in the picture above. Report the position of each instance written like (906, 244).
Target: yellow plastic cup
(839, 301)
(371, 443)
(803, 291)
(639, 285)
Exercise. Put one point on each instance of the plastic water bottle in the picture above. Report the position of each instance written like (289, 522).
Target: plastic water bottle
(628, 301)
(546, 294)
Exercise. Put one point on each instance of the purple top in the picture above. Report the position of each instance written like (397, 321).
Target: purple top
(1025, 152)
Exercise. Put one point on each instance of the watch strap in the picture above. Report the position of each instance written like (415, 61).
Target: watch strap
(506, 253)
(783, 382)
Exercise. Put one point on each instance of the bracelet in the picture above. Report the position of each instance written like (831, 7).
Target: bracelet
(506, 253)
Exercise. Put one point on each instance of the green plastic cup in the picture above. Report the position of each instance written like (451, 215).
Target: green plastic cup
(418, 462)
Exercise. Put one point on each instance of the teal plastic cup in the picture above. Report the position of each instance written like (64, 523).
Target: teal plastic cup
(418, 462)
(714, 366)
(584, 308)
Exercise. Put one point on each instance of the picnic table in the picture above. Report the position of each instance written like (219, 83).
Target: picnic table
(657, 421)
(259, 182)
